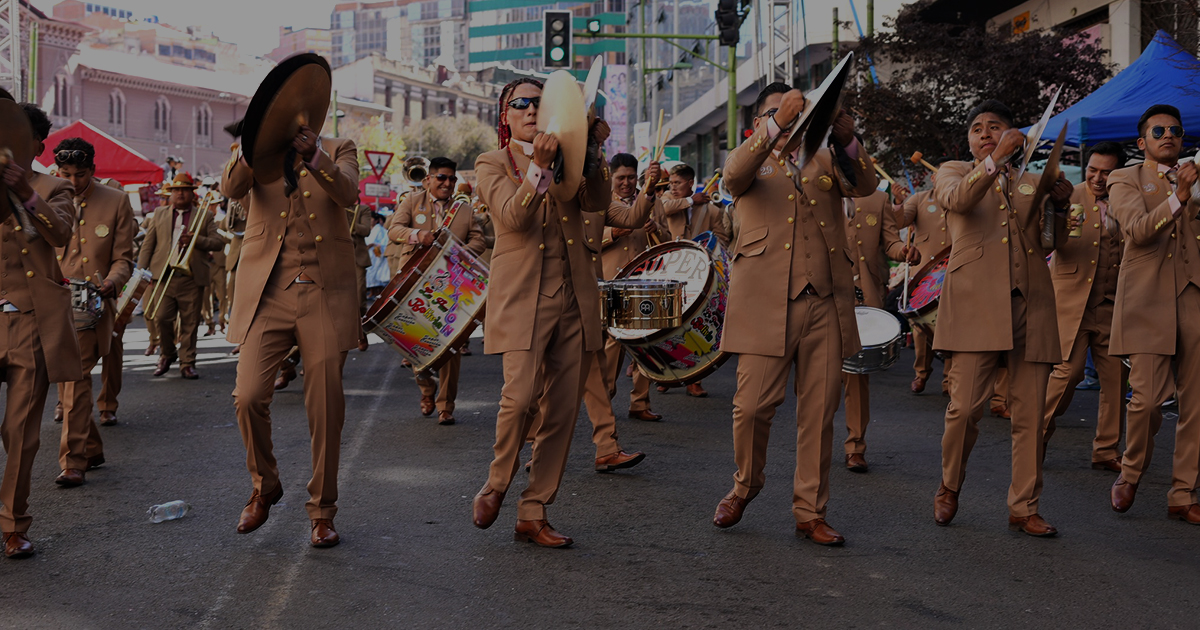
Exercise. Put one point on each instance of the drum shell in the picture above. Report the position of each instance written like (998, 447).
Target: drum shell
(131, 295)
(651, 305)
(875, 357)
(925, 316)
(86, 304)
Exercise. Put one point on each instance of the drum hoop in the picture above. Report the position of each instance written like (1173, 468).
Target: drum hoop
(688, 313)
(921, 274)
(699, 375)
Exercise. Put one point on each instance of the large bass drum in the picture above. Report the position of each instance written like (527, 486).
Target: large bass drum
(431, 306)
(925, 293)
(685, 354)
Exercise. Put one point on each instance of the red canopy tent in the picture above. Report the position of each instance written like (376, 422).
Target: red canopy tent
(114, 158)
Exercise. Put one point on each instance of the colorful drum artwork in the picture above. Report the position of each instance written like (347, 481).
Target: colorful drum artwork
(689, 352)
(925, 291)
(432, 305)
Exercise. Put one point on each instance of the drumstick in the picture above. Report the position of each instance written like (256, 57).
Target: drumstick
(657, 137)
(907, 266)
(708, 186)
(658, 158)
(917, 158)
(882, 173)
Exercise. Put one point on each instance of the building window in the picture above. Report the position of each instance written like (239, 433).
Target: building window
(62, 96)
(116, 112)
(204, 125)
(162, 119)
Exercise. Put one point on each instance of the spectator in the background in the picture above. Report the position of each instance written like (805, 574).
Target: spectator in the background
(378, 274)
(172, 168)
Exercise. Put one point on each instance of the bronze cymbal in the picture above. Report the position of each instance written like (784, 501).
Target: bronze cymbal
(16, 134)
(824, 105)
(562, 114)
(294, 93)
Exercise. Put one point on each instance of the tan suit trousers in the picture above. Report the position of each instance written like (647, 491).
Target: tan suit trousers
(813, 344)
(285, 318)
(445, 388)
(553, 368)
(24, 372)
(152, 329)
(80, 435)
(112, 365)
(639, 396)
(923, 366)
(361, 274)
(217, 289)
(858, 411)
(972, 383)
(230, 284)
(599, 408)
(183, 300)
(1150, 379)
(1093, 333)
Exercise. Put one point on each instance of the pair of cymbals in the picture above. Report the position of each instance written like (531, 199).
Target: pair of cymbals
(822, 109)
(295, 93)
(564, 112)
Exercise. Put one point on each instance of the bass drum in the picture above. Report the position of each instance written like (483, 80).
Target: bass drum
(432, 305)
(687, 353)
(925, 292)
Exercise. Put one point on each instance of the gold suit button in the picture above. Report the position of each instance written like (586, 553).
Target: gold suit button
(787, 245)
(311, 217)
(564, 219)
(303, 173)
(858, 209)
(87, 278)
(28, 274)
(1030, 251)
(541, 246)
(860, 242)
(283, 215)
(587, 221)
(998, 189)
(1093, 262)
(812, 202)
(1096, 225)
(307, 194)
(822, 224)
(318, 238)
(803, 180)
(82, 221)
(793, 220)
(626, 248)
(85, 259)
(1172, 235)
(1004, 240)
(570, 241)
(862, 257)
(26, 251)
(591, 240)
(1002, 224)
(59, 257)
(788, 173)
(1095, 208)
(832, 249)
(1160, 175)
(82, 205)
(1168, 255)
(1003, 207)
(1095, 243)
(279, 238)
(858, 226)
(791, 197)
(83, 241)
(18, 228)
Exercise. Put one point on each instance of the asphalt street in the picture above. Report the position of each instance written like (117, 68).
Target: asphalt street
(646, 554)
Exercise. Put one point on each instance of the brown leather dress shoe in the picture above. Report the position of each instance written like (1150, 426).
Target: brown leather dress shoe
(1001, 411)
(108, 419)
(818, 531)
(1122, 495)
(70, 478)
(729, 510)
(1186, 513)
(945, 505)
(188, 372)
(918, 385)
(323, 534)
(163, 366)
(445, 418)
(1034, 525)
(257, 509)
(58, 414)
(1111, 465)
(540, 533)
(856, 462)
(17, 545)
(696, 390)
(150, 350)
(287, 374)
(486, 507)
(427, 406)
(95, 461)
(619, 460)
(662, 389)
(363, 344)
(645, 414)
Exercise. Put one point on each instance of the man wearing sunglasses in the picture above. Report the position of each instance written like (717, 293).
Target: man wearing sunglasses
(100, 252)
(543, 304)
(414, 226)
(791, 301)
(1157, 314)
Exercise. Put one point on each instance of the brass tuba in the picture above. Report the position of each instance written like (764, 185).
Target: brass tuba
(415, 171)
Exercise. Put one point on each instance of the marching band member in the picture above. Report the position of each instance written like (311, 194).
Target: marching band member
(791, 301)
(872, 238)
(37, 337)
(997, 281)
(542, 306)
(113, 363)
(359, 216)
(100, 252)
(1157, 310)
(1084, 270)
(413, 227)
(235, 224)
(214, 314)
(921, 214)
(184, 293)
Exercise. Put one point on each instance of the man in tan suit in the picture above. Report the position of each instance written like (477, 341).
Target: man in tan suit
(214, 302)
(872, 238)
(1157, 312)
(618, 247)
(997, 281)
(171, 229)
(543, 305)
(1084, 270)
(295, 265)
(37, 337)
(688, 214)
(791, 301)
(414, 225)
(234, 224)
(100, 252)
(922, 214)
(360, 221)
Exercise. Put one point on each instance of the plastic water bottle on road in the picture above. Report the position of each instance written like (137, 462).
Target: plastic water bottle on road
(168, 511)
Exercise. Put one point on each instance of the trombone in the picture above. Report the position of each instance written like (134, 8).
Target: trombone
(177, 260)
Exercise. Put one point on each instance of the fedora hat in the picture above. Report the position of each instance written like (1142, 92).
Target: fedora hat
(181, 181)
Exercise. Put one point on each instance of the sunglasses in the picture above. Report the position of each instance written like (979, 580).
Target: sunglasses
(441, 177)
(525, 101)
(1158, 131)
(71, 156)
(768, 113)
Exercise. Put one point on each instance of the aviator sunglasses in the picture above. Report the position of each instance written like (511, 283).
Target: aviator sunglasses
(1158, 131)
(441, 177)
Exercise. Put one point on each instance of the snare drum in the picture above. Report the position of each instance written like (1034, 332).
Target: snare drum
(925, 292)
(131, 295)
(879, 332)
(641, 304)
(86, 303)
(432, 305)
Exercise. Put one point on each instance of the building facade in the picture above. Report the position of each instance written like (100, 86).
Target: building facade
(306, 40)
(414, 93)
(509, 32)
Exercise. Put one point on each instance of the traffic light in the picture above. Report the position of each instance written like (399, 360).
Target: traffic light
(556, 39)
(729, 23)
(593, 26)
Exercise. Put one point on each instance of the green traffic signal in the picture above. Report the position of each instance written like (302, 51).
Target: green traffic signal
(593, 26)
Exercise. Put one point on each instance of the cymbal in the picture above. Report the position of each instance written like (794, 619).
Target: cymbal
(563, 115)
(294, 93)
(591, 87)
(16, 134)
(4, 94)
(1050, 174)
(824, 105)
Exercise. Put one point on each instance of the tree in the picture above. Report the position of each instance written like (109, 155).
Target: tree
(375, 135)
(931, 75)
(460, 138)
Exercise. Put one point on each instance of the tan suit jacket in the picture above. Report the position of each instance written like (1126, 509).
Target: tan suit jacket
(922, 212)
(55, 218)
(991, 243)
(417, 212)
(101, 248)
(519, 214)
(617, 252)
(673, 213)
(873, 239)
(160, 240)
(1159, 261)
(1085, 269)
(359, 233)
(235, 223)
(769, 202)
(324, 193)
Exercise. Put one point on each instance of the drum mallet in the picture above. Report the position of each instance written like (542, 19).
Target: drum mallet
(918, 158)
(881, 172)
(712, 182)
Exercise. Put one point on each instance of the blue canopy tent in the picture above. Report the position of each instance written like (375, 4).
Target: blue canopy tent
(1164, 73)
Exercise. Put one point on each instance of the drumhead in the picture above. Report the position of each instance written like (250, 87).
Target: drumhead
(876, 327)
(682, 261)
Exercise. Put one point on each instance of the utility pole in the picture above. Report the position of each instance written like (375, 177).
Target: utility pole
(835, 36)
(870, 17)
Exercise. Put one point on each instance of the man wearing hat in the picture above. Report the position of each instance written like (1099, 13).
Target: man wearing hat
(169, 229)
(37, 340)
(100, 252)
